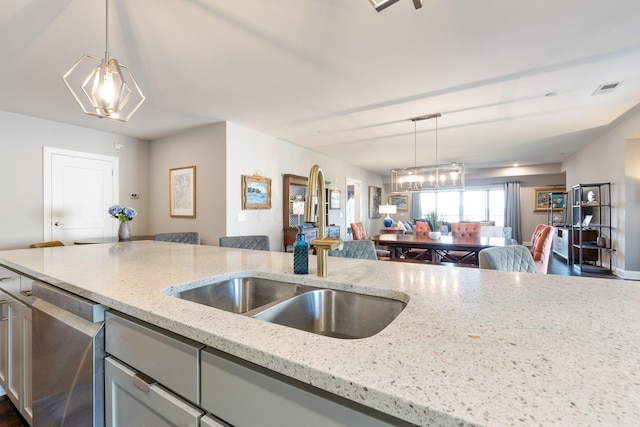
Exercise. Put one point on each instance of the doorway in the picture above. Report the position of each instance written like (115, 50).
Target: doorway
(78, 190)
(353, 205)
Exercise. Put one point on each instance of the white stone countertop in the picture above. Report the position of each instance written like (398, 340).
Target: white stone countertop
(472, 347)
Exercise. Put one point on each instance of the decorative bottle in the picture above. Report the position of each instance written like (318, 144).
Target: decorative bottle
(301, 253)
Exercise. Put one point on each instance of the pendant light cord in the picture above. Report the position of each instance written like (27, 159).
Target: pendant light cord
(106, 32)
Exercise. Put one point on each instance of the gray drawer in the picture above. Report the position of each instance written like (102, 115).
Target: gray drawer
(246, 396)
(170, 359)
(134, 400)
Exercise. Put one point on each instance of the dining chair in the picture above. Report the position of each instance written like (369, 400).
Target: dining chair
(491, 231)
(465, 229)
(258, 242)
(46, 244)
(360, 249)
(541, 242)
(360, 233)
(507, 258)
(190, 237)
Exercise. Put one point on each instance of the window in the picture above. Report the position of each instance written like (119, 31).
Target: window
(481, 204)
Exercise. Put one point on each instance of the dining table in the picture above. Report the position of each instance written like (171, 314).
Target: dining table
(458, 250)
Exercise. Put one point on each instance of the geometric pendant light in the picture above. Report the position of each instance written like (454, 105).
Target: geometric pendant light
(104, 87)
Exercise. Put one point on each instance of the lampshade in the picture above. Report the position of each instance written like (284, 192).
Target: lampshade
(103, 87)
(298, 207)
(387, 209)
(431, 177)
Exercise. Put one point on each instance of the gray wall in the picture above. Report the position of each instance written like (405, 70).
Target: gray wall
(22, 139)
(614, 157)
(205, 148)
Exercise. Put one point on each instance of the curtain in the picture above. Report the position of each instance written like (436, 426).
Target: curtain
(512, 214)
(416, 208)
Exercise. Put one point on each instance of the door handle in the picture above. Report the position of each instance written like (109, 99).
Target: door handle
(58, 223)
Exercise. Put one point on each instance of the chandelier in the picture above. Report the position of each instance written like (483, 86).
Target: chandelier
(104, 87)
(427, 178)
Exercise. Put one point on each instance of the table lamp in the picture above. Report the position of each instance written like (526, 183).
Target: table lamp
(387, 209)
(298, 207)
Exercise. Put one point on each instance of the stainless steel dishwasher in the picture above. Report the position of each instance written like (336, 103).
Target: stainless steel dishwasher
(68, 359)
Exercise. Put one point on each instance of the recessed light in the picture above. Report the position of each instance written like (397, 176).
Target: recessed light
(515, 165)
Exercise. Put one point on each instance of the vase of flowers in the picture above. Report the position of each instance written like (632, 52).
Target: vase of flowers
(123, 214)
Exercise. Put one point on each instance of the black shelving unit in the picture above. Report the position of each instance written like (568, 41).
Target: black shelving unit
(592, 233)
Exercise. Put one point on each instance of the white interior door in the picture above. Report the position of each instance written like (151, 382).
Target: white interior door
(78, 190)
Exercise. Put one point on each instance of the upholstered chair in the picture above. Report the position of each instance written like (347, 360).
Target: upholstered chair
(361, 249)
(507, 258)
(541, 242)
(422, 228)
(258, 243)
(360, 233)
(465, 229)
(190, 237)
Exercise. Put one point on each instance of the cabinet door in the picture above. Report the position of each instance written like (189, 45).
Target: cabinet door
(4, 339)
(14, 348)
(132, 399)
(25, 410)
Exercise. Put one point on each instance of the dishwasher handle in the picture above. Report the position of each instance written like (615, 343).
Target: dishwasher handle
(82, 307)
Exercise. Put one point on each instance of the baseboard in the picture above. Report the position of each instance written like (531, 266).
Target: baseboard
(627, 275)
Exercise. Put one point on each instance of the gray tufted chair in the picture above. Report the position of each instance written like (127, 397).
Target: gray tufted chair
(362, 249)
(259, 243)
(507, 258)
(184, 237)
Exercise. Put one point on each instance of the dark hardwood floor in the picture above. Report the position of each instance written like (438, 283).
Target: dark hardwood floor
(9, 416)
(559, 266)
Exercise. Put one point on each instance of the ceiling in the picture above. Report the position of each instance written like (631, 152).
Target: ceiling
(340, 78)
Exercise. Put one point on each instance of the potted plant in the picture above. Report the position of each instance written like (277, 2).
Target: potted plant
(434, 220)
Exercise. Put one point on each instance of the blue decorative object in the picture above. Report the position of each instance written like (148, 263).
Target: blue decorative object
(301, 253)
(388, 222)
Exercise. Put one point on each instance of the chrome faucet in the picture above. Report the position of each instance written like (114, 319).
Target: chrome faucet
(316, 196)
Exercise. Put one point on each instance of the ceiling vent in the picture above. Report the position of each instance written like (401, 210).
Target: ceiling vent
(609, 87)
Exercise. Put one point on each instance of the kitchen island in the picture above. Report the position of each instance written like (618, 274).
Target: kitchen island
(471, 347)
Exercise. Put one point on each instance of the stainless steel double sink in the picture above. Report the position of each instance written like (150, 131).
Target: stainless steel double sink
(327, 312)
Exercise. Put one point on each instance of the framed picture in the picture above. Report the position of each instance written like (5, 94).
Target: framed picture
(334, 199)
(375, 199)
(182, 192)
(401, 202)
(256, 192)
(541, 199)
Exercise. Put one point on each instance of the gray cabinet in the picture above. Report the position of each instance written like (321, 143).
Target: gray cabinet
(133, 399)
(15, 342)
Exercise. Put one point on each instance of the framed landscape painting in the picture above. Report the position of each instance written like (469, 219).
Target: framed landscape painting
(401, 201)
(541, 200)
(256, 192)
(375, 199)
(182, 192)
(334, 199)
